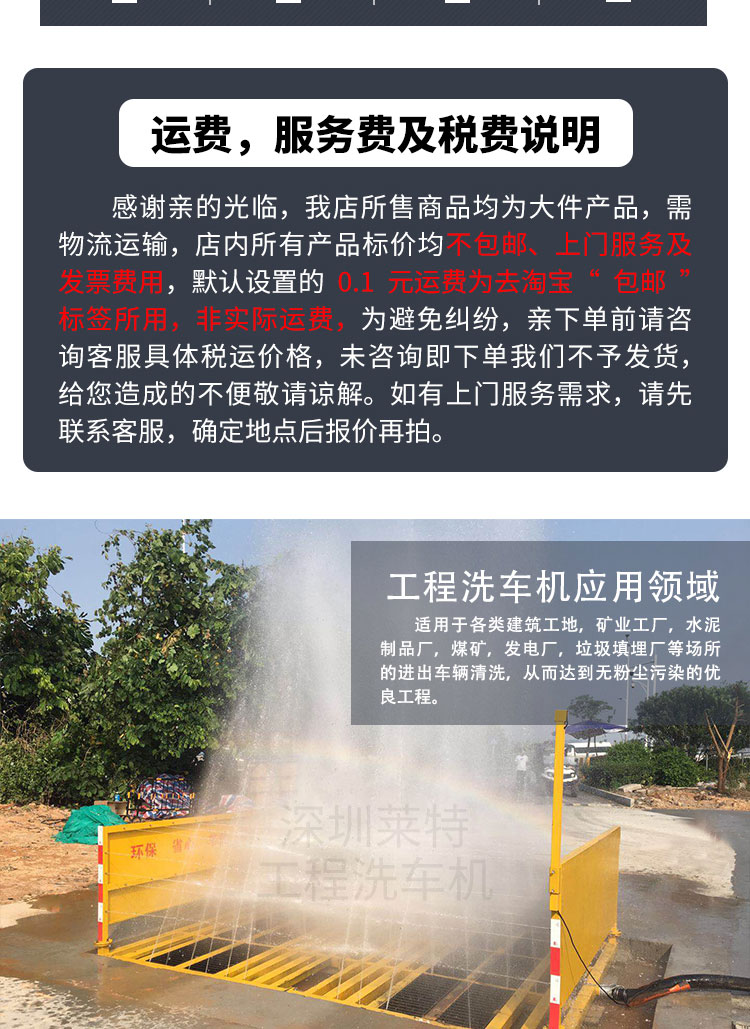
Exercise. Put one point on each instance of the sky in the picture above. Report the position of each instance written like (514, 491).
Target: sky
(259, 541)
(254, 542)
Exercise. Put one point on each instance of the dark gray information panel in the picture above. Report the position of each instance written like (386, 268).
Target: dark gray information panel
(479, 633)
(373, 12)
(530, 283)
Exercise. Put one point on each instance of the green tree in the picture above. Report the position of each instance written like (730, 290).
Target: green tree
(45, 646)
(677, 717)
(177, 647)
(723, 741)
(588, 709)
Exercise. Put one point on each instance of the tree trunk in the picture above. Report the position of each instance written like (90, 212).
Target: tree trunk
(721, 784)
(723, 747)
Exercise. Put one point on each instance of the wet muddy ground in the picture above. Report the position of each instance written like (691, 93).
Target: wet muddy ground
(26, 1003)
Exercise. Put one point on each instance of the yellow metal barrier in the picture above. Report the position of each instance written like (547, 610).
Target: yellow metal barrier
(583, 906)
(145, 866)
(588, 903)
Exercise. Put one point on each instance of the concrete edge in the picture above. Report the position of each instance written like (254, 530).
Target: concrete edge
(616, 798)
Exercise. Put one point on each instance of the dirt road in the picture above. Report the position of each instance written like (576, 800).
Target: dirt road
(32, 863)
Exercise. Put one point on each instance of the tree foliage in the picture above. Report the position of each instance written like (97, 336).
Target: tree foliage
(45, 646)
(588, 709)
(677, 717)
(177, 646)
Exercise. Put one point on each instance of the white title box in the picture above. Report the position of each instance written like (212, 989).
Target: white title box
(256, 122)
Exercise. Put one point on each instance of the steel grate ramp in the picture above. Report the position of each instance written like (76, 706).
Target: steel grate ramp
(492, 981)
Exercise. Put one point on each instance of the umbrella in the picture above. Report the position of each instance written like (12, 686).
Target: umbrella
(584, 729)
(590, 730)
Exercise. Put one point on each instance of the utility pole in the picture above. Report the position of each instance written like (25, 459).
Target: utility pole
(627, 687)
(561, 721)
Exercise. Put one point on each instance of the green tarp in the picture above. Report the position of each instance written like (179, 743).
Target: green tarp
(82, 825)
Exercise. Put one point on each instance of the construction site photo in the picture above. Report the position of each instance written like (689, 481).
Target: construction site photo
(222, 844)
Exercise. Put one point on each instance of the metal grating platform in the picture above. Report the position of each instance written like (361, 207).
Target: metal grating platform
(492, 981)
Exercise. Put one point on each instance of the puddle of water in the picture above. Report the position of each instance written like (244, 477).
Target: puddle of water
(11, 914)
(47, 1007)
(636, 963)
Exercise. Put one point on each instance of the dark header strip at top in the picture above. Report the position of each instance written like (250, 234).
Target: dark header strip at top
(373, 12)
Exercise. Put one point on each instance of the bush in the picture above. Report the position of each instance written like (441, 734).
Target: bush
(738, 777)
(54, 766)
(673, 767)
(623, 763)
(26, 766)
(628, 753)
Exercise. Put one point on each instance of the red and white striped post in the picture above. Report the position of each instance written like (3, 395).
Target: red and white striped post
(554, 973)
(100, 887)
(561, 720)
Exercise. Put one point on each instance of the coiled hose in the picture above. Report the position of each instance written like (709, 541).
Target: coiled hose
(677, 984)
